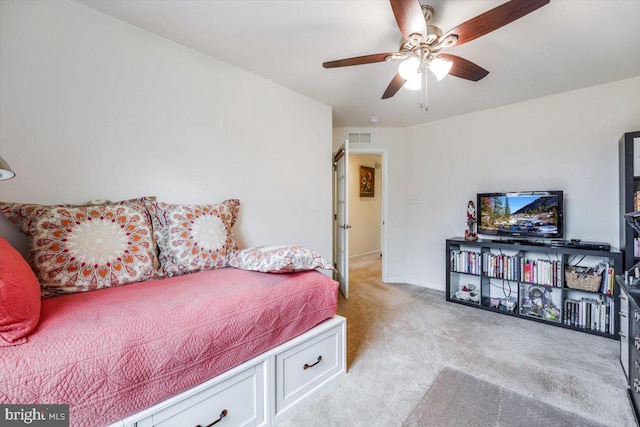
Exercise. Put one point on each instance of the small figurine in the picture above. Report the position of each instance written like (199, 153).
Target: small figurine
(471, 233)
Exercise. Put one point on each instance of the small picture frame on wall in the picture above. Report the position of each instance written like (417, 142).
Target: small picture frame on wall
(367, 181)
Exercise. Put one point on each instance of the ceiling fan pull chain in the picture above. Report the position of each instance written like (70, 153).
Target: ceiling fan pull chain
(423, 92)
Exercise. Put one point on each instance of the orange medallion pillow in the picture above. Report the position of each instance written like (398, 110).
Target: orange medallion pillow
(78, 249)
(193, 237)
(74, 249)
(19, 297)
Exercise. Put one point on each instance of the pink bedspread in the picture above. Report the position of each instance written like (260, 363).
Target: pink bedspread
(114, 352)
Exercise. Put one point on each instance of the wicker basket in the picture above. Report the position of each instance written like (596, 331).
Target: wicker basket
(584, 281)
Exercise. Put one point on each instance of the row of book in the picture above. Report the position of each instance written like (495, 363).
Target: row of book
(589, 313)
(608, 281)
(469, 262)
(498, 266)
(541, 272)
(501, 266)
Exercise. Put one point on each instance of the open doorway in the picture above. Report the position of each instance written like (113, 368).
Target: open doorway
(366, 208)
(345, 188)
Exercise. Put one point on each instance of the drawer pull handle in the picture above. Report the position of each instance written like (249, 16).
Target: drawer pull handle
(222, 415)
(307, 366)
(622, 314)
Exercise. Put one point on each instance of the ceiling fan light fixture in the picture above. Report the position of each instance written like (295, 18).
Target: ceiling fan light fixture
(421, 44)
(409, 68)
(414, 83)
(449, 40)
(440, 67)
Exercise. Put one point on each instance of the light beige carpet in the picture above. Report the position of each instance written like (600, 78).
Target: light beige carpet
(457, 399)
(399, 338)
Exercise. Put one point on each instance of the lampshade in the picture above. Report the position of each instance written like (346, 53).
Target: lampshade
(414, 83)
(409, 68)
(5, 170)
(440, 67)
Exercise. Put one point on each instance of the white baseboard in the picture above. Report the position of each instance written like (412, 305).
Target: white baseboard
(414, 282)
(424, 284)
(365, 253)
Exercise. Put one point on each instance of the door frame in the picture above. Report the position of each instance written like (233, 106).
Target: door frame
(341, 231)
(384, 238)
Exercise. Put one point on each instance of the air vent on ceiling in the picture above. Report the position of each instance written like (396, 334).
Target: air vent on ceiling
(359, 137)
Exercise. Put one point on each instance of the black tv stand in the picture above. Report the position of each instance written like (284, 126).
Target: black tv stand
(535, 281)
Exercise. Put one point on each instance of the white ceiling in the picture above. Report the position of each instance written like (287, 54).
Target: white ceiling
(565, 45)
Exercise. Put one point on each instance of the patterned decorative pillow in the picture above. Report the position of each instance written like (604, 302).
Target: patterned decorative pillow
(24, 214)
(278, 259)
(77, 249)
(193, 237)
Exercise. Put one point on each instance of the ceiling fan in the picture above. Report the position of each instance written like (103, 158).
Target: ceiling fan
(422, 43)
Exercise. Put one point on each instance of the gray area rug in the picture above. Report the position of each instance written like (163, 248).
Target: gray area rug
(457, 399)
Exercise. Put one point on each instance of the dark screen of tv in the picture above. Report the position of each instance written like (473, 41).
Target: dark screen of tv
(535, 214)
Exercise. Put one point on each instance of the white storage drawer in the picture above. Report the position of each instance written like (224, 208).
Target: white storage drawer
(307, 366)
(240, 398)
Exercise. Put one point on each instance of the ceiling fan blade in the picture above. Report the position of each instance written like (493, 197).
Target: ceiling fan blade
(394, 86)
(358, 60)
(494, 19)
(464, 69)
(409, 17)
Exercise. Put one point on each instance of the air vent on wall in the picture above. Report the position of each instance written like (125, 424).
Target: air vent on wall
(359, 137)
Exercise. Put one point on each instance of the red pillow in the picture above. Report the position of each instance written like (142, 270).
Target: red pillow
(19, 297)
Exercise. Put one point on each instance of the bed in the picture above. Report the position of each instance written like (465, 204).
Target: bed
(143, 313)
(112, 353)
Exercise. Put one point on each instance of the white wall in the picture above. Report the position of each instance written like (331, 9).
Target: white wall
(94, 108)
(365, 213)
(563, 142)
(566, 141)
(91, 107)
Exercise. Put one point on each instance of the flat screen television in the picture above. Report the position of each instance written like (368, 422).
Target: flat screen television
(532, 214)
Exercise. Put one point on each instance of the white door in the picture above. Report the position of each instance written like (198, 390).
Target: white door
(341, 217)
